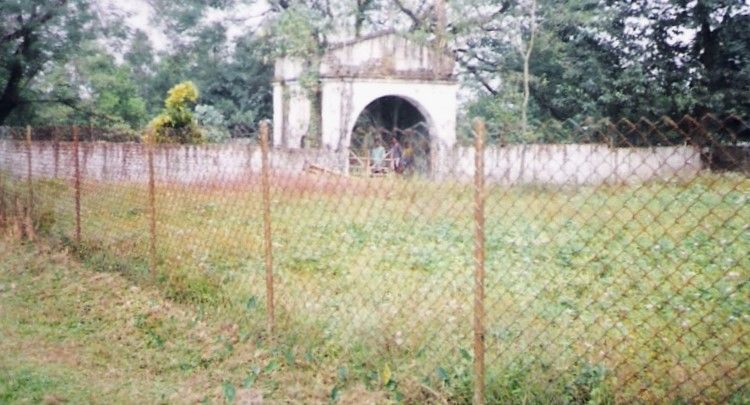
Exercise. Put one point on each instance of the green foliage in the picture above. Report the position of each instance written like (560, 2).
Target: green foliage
(589, 386)
(294, 33)
(212, 123)
(590, 59)
(234, 76)
(230, 393)
(181, 96)
(114, 95)
(57, 68)
(139, 57)
(34, 38)
(35, 385)
(99, 93)
(182, 285)
(501, 115)
(239, 85)
(176, 124)
(595, 59)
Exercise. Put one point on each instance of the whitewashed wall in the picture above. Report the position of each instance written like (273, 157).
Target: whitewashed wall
(292, 117)
(579, 164)
(515, 164)
(354, 74)
(128, 162)
(383, 55)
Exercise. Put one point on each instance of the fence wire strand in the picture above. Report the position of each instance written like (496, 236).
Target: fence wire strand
(613, 268)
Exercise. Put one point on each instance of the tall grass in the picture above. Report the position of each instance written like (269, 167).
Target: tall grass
(621, 293)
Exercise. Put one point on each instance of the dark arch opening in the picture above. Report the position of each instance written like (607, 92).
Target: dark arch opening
(384, 120)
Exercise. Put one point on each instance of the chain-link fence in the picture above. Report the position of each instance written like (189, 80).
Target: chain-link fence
(612, 267)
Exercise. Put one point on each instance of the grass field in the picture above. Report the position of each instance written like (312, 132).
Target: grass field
(611, 294)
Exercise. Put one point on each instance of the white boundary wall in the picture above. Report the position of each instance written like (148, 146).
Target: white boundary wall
(576, 164)
(579, 164)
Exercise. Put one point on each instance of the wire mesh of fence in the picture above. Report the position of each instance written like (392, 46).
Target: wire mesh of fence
(613, 267)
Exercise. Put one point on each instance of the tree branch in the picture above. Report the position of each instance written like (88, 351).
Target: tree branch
(475, 72)
(481, 20)
(414, 18)
(35, 21)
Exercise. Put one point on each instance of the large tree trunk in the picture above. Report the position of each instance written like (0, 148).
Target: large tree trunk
(706, 39)
(706, 47)
(26, 33)
(526, 54)
(11, 96)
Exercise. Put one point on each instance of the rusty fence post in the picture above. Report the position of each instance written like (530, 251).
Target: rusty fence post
(266, 191)
(479, 195)
(3, 207)
(30, 209)
(3, 213)
(151, 203)
(77, 183)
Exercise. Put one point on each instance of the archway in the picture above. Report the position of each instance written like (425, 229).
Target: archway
(391, 134)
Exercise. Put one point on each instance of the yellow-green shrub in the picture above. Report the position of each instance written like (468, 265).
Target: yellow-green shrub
(176, 123)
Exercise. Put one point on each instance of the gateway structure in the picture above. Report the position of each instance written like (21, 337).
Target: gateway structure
(320, 104)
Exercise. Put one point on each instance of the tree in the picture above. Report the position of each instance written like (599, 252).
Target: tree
(233, 72)
(241, 87)
(33, 36)
(140, 59)
(583, 64)
(111, 96)
(526, 34)
(719, 53)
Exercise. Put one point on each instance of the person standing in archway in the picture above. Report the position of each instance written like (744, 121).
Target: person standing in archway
(407, 158)
(395, 153)
(377, 155)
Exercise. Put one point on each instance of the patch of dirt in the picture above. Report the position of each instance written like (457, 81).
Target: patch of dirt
(48, 353)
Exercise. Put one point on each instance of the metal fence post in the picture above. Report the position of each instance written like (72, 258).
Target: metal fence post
(4, 210)
(56, 150)
(479, 133)
(266, 190)
(77, 183)
(17, 216)
(30, 208)
(151, 202)
(3, 213)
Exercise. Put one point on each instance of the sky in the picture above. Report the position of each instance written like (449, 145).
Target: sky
(139, 12)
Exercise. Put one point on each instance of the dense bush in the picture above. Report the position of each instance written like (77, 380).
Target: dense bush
(176, 123)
